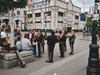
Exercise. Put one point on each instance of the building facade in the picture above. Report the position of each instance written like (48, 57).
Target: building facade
(56, 14)
(46, 15)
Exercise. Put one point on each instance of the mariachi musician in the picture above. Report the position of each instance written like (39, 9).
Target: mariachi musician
(39, 38)
(62, 40)
(31, 36)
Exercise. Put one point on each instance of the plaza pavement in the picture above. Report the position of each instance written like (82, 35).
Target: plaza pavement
(70, 65)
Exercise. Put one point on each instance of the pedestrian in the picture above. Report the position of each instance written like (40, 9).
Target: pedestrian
(26, 44)
(72, 37)
(62, 40)
(51, 41)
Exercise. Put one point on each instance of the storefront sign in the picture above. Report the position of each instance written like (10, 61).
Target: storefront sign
(40, 5)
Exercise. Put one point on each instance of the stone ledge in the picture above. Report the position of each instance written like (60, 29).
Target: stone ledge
(10, 60)
(10, 56)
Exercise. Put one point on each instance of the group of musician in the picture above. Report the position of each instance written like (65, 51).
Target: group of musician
(38, 37)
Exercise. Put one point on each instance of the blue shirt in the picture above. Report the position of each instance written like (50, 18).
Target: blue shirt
(16, 33)
(25, 44)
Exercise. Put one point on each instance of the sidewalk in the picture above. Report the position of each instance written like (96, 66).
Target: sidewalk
(72, 65)
(87, 38)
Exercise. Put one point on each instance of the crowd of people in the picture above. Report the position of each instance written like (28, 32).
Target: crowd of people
(27, 42)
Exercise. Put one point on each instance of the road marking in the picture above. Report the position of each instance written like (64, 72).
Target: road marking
(57, 64)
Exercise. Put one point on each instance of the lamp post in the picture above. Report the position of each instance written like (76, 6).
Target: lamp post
(93, 67)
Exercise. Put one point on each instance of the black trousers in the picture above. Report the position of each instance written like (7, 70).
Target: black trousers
(50, 52)
(39, 49)
(62, 49)
(65, 46)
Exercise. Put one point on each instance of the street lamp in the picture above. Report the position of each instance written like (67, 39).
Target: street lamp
(93, 67)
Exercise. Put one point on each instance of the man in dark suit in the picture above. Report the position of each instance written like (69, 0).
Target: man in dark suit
(51, 40)
(62, 40)
(39, 39)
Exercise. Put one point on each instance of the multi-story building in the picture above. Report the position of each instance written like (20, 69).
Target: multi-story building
(47, 15)
(56, 14)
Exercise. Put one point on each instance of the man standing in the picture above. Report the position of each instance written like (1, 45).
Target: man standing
(39, 39)
(51, 40)
(62, 40)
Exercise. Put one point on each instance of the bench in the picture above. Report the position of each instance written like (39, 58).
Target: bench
(10, 59)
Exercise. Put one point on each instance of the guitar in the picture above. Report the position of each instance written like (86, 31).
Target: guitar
(21, 61)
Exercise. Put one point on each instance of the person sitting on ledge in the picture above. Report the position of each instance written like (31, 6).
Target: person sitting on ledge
(26, 44)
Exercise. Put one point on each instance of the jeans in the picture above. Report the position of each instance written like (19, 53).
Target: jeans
(31, 48)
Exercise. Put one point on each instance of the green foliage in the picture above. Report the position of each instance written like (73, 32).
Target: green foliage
(6, 5)
(89, 22)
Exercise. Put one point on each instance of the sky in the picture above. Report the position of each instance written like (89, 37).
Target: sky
(79, 3)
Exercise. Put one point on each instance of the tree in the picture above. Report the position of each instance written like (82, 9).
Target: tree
(9, 5)
(89, 22)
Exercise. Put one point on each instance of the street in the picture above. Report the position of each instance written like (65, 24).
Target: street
(70, 65)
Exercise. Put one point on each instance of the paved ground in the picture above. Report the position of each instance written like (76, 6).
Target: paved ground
(70, 65)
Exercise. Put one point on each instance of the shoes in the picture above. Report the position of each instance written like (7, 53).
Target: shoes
(49, 61)
(61, 56)
(39, 56)
(71, 53)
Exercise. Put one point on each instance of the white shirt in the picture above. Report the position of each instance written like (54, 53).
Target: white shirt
(3, 35)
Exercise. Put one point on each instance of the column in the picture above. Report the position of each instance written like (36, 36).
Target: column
(34, 25)
(54, 16)
(42, 20)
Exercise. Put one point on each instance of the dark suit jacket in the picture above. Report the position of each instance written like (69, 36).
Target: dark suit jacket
(51, 40)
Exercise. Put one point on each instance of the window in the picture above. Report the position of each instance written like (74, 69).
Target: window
(76, 17)
(48, 13)
(60, 21)
(37, 22)
(60, 13)
(76, 23)
(29, 15)
(18, 12)
(46, 21)
(38, 15)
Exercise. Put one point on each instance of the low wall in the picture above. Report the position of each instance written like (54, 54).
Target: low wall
(10, 60)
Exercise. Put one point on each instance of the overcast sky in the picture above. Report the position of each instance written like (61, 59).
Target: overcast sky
(87, 3)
